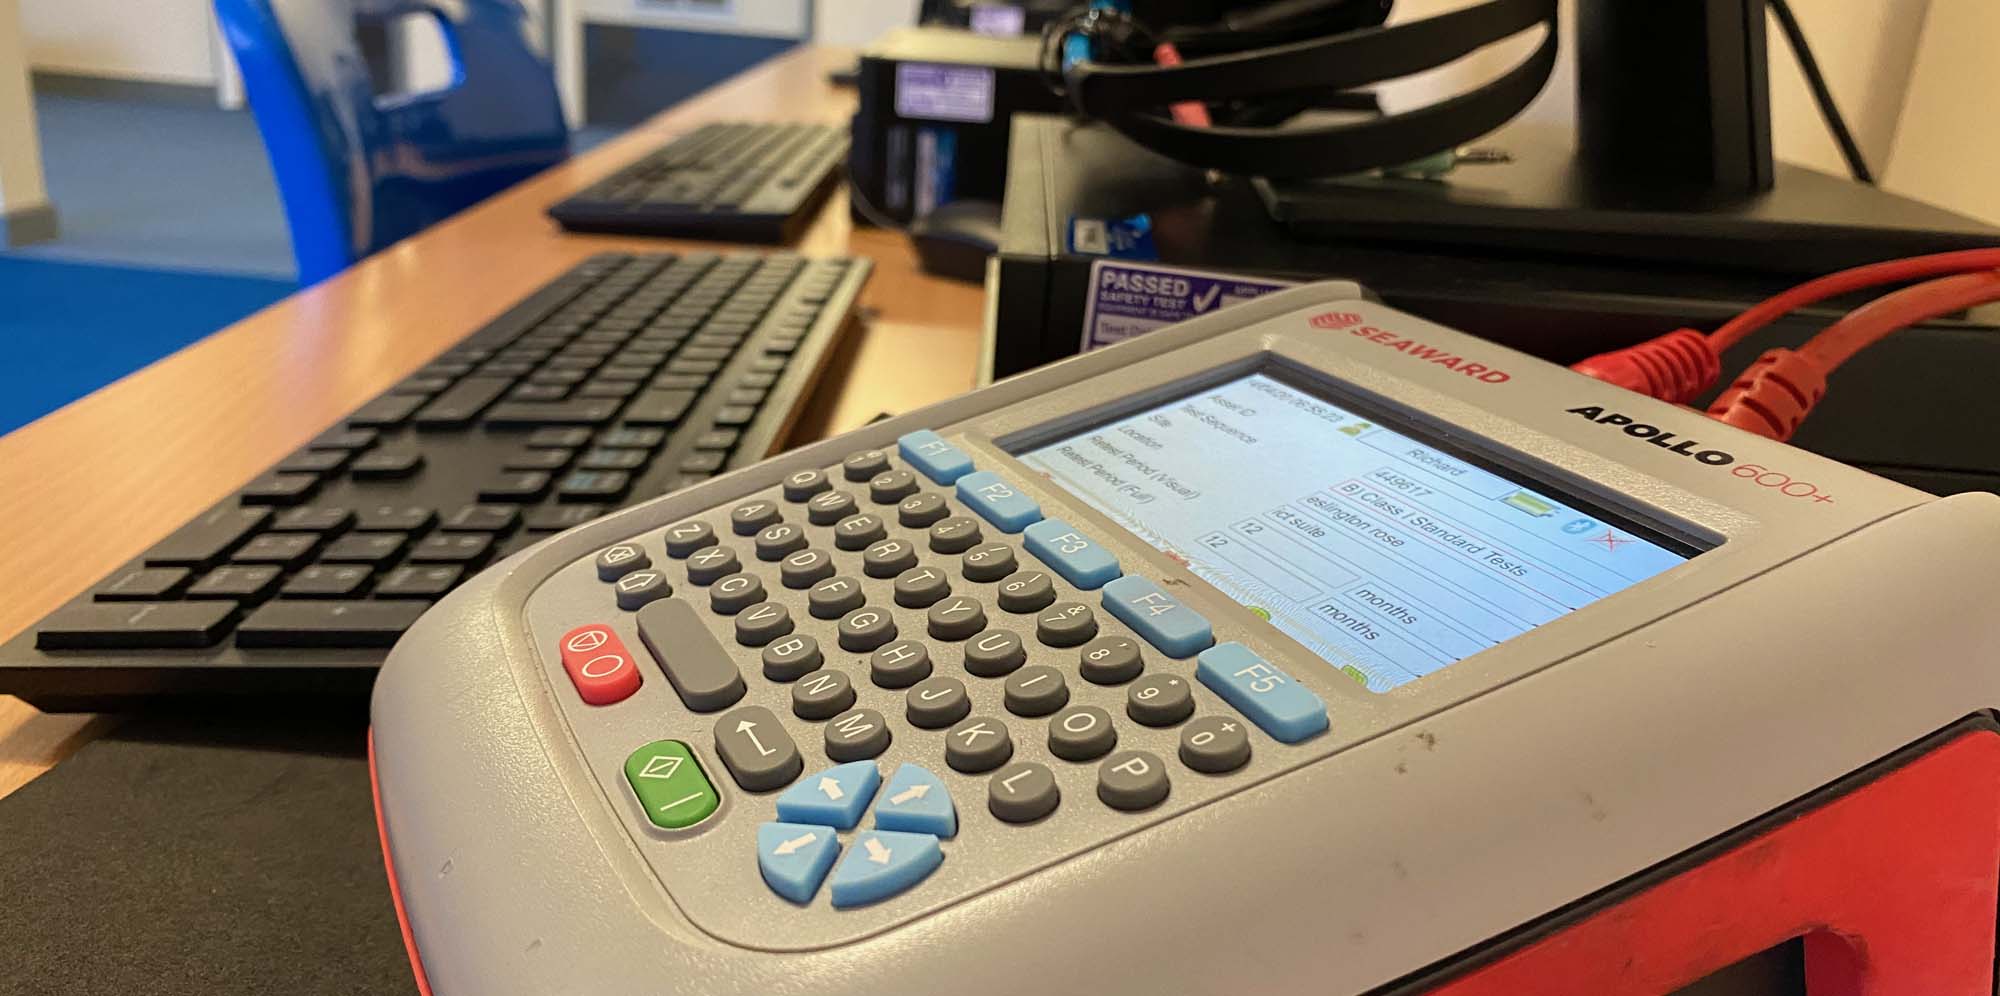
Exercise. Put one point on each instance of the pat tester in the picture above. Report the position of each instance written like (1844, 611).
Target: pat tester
(1305, 647)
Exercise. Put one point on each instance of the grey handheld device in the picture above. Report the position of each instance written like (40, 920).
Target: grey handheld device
(1301, 648)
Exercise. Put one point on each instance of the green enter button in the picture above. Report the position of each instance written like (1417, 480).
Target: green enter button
(670, 785)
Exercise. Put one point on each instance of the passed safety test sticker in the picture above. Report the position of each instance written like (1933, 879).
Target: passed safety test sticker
(1128, 299)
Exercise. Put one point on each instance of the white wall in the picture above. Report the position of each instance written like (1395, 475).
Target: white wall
(1865, 47)
(165, 41)
(1946, 146)
(21, 185)
(858, 22)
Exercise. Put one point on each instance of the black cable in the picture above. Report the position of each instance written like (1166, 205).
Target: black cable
(1828, 110)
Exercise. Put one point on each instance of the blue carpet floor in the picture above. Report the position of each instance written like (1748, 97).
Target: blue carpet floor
(68, 329)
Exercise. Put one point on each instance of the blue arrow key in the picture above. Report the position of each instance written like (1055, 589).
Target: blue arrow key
(881, 864)
(833, 798)
(915, 800)
(794, 858)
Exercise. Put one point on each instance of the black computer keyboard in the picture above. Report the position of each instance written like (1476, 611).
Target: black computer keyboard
(740, 181)
(621, 380)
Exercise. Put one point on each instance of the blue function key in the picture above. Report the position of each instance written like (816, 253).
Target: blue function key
(833, 798)
(882, 863)
(794, 858)
(1175, 629)
(940, 461)
(998, 502)
(1278, 705)
(1071, 554)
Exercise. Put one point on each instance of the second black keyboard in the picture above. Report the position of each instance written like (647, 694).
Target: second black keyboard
(738, 181)
(623, 379)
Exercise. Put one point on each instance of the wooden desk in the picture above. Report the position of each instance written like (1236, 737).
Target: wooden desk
(93, 485)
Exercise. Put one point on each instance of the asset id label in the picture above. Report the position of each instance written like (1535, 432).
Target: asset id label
(931, 92)
(1128, 299)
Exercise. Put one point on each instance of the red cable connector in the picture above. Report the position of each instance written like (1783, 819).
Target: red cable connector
(1773, 395)
(1675, 367)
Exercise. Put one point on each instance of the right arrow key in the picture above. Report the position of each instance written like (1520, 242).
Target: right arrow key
(916, 801)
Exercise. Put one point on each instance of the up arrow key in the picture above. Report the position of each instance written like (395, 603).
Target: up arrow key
(833, 798)
(916, 801)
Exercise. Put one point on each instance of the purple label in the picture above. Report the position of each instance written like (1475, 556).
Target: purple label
(1128, 299)
(931, 92)
(997, 19)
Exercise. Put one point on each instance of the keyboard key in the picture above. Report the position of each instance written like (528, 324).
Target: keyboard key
(1160, 618)
(629, 438)
(607, 459)
(518, 486)
(751, 516)
(344, 439)
(919, 511)
(560, 439)
(737, 592)
(1111, 660)
(1159, 700)
(326, 581)
(1026, 591)
(1132, 780)
(1080, 560)
(419, 582)
(794, 858)
(1036, 690)
(389, 409)
(792, 658)
(955, 618)
(574, 412)
(1066, 624)
(1215, 745)
(328, 624)
(134, 625)
(143, 584)
(395, 518)
(881, 864)
(637, 589)
(237, 583)
(614, 562)
(998, 501)
(376, 549)
(671, 787)
(700, 668)
(1270, 698)
(988, 563)
(761, 623)
(314, 519)
(206, 540)
(280, 489)
(865, 629)
(482, 519)
(936, 702)
(1082, 733)
(994, 653)
(282, 549)
(380, 465)
(916, 588)
(452, 548)
(704, 462)
(755, 748)
(835, 797)
(856, 734)
(598, 665)
(937, 459)
(829, 507)
(311, 461)
(956, 534)
(532, 459)
(1022, 793)
(660, 407)
(977, 745)
(594, 486)
(822, 694)
(461, 404)
(864, 464)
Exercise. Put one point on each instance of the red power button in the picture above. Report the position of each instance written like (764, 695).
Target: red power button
(599, 665)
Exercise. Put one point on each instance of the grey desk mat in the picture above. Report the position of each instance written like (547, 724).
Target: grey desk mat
(200, 855)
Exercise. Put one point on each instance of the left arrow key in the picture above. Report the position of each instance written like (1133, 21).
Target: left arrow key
(794, 858)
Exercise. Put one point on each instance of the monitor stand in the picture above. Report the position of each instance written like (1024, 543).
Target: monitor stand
(1544, 200)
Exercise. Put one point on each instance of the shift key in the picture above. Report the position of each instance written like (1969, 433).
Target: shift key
(134, 625)
(696, 663)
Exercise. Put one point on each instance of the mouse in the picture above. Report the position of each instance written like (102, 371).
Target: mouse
(954, 240)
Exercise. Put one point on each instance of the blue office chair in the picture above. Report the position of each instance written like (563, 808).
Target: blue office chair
(359, 171)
